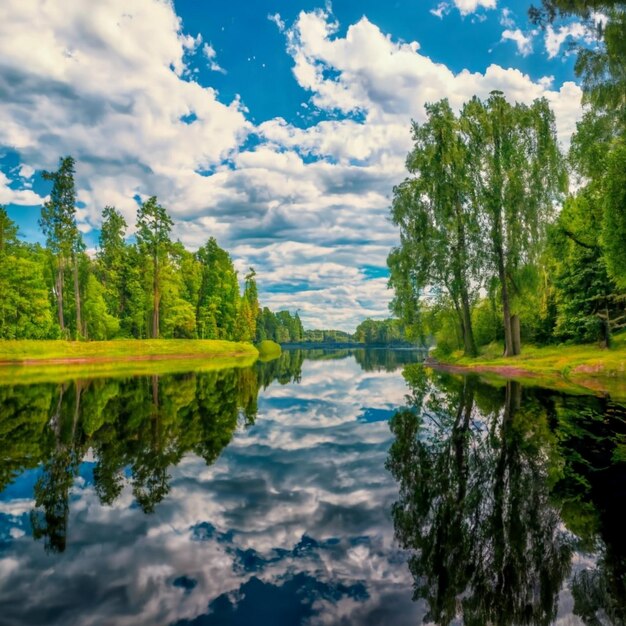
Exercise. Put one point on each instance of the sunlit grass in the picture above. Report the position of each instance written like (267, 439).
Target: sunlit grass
(269, 350)
(587, 366)
(54, 361)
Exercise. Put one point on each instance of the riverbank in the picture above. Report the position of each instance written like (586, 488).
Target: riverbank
(52, 360)
(572, 368)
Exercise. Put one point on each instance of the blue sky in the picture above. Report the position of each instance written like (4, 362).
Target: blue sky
(279, 127)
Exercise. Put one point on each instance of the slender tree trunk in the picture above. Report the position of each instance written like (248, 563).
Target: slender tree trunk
(461, 263)
(79, 321)
(468, 334)
(59, 289)
(506, 306)
(517, 335)
(156, 298)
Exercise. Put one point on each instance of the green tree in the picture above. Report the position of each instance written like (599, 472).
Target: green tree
(218, 298)
(8, 232)
(517, 177)
(58, 224)
(112, 258)
(438, 222)
(153, 239)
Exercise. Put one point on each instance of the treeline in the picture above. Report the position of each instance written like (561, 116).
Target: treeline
(380, 332)
(493, 247)
(281, 327)
(152, 287)
(384, 332)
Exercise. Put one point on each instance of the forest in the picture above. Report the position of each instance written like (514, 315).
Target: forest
(149, 288)
(505, 239)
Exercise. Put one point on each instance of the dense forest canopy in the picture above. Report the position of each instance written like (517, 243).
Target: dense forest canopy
(493, 246)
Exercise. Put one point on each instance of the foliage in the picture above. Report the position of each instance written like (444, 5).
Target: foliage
(152, 287)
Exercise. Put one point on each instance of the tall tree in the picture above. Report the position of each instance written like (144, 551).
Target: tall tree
(218, 299)
(517, 177)
(58, 223)
(112, 258)
(438, 223)
(8, 231)
(153, 238)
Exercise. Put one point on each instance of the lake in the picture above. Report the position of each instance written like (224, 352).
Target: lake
(326, 487)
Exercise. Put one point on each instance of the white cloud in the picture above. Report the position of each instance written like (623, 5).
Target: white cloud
(506, 18)
(24, 197)
(111, 84)
(277, 20)
(210, 54)
(523, 42)
(443, 8)
(471, 6)
(554, 39)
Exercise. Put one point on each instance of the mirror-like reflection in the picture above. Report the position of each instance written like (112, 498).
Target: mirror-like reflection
(496, 496)
(325, 487)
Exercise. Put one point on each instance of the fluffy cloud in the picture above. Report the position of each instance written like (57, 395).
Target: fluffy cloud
(554, 39)
(471, 6)
(24, 196)
(113, 85)
(308, 468)
(523, 42)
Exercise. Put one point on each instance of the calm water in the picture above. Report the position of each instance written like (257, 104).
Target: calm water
(322, 488)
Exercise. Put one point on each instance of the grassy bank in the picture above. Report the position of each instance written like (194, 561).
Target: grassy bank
(569, 367)
(34, 361)
(269, 350)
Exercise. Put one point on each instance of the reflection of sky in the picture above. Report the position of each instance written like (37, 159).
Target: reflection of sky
(291, 525)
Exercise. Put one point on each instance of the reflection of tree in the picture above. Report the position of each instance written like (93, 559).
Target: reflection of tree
(474, 503)
(137, 429)
(592, 432)
(49, 518)
(286, 369)
(376, 360)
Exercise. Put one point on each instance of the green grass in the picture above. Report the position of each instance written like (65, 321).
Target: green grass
(27, 350)
(269, 350)
(39, 361)
(586, 366)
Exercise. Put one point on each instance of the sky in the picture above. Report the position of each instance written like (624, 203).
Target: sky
(279, 127)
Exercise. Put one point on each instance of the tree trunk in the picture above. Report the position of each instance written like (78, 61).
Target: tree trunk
(79, 321)
(516, 333)
(156, 298)
(506, 306)
(468, 332)
(59, 289)
(460, 253)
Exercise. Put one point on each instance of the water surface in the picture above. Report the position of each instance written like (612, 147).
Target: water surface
(342, 487)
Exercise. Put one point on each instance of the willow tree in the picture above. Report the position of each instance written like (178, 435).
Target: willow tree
(153, 238)
(58, 223)
(438, 222)
(517, 177)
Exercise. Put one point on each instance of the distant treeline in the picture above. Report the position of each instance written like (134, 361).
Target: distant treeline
(152, 287)
(371, 332)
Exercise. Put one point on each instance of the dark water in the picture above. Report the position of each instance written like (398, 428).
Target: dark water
(348, 487)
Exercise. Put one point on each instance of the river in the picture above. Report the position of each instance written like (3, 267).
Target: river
(326, 487)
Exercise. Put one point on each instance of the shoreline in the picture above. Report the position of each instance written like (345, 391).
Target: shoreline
(23, 361)
(574, 369)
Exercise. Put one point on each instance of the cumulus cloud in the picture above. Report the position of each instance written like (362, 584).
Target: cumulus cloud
(554, 39)
(523, 42)
(471, 6)
(25, 197)
(113, 85)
